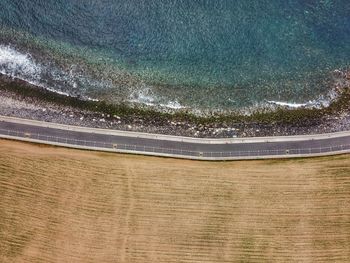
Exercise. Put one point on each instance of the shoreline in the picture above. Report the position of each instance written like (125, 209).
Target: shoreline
(21, 99)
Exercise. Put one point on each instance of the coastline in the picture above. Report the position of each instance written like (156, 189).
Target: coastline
(21, 99)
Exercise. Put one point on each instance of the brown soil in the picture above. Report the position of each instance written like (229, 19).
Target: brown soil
(60, 205)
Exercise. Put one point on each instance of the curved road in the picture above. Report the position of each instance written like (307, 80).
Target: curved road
(172, 146)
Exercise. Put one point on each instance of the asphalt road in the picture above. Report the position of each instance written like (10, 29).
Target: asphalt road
(163, 147)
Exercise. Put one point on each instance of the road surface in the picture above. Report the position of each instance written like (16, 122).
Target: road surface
(172, 146)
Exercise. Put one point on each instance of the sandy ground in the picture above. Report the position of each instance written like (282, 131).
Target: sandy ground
(60, 205)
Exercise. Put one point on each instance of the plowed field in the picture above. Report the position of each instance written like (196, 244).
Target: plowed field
(63, 205)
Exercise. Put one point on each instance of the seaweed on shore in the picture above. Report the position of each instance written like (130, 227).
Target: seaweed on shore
(280, 116)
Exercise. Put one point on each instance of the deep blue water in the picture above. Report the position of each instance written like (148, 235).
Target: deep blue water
(199, 54)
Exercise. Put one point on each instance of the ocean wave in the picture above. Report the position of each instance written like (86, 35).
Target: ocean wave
(75, 82)
(146, 96)
(321, 102)
(18, 65)
(143, 96)
(23, 66)
(290, 104)
(175, 105)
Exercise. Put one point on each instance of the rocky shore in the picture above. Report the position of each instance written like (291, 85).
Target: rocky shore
(23, 100)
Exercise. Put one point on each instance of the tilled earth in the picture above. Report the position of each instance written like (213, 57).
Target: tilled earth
(60, 205)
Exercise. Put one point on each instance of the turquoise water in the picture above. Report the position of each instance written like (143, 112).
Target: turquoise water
(203, 55)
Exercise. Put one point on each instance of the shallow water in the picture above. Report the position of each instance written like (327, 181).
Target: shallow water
(214, 55)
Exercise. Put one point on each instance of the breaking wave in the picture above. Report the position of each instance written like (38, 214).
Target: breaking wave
(18, 65)
(76, 83)
(200, 56)
(147, 97)
(23, 66)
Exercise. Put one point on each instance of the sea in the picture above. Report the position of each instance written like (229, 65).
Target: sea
(200, 55)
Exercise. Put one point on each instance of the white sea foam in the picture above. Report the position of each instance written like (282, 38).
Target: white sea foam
(144, 96)
(147, 97)
(289, 104)
(22, 66)
(173, 105)
(322, 101)
(18, 65)
(72, 82)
